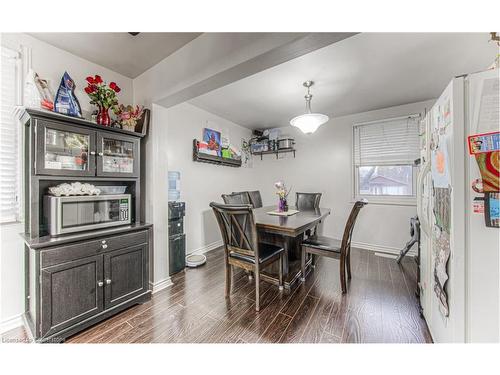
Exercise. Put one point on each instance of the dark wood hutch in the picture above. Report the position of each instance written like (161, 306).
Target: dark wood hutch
(76, 280)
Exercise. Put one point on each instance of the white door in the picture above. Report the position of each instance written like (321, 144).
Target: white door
(482, 246)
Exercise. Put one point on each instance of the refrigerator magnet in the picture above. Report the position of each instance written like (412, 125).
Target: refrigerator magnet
(492, 209)
(487, 142)
(477, 186)
(478, 205)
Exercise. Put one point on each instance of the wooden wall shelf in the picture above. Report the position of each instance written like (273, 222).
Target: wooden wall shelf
(211, 159)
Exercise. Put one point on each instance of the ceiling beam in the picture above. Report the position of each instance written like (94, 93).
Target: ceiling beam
(296, 48)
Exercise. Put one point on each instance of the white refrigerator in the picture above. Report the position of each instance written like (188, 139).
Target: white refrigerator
(459, 254)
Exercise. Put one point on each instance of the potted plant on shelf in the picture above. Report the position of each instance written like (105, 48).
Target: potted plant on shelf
(103, 96)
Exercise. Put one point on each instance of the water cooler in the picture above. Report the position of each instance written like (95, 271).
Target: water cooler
(176, 237)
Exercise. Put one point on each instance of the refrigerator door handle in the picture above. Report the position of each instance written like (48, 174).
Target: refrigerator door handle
(424, 223)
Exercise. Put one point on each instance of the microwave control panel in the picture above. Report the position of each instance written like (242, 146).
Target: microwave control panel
(124, 210)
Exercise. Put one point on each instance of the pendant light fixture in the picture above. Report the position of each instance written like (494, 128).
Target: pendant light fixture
(309, 122)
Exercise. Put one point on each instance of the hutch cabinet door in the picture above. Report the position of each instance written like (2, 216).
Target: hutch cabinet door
(118, 155)
(71, 292)
(64, 150)
(125, 274)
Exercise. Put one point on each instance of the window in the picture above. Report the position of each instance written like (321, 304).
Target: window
(9, 137)
(384, 153)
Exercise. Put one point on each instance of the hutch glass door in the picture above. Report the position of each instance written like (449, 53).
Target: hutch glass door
(118, 156)
(65, 150)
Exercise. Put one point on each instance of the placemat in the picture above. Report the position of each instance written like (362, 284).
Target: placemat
(287, 213)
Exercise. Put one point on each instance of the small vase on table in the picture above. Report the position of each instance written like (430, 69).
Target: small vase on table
(282, 205)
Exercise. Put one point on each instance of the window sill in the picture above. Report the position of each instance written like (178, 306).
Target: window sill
(388, 201)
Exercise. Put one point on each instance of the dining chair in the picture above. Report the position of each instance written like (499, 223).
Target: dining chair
(236, 198)
(332, 248)
(241, 246)
(307, 201)
(254, 197)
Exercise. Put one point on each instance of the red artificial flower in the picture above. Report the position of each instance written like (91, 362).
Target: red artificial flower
(90, 80)
(89, 89)
(97, 79)
(114, 87)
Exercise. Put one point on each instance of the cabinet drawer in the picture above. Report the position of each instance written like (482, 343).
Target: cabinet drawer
(101, 245)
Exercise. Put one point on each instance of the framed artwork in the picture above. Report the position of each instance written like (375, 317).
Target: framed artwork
(143, 123)
(213, 139)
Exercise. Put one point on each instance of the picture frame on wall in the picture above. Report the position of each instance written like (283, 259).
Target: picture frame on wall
(213, 139)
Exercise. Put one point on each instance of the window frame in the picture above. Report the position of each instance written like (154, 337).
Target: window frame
(398, 200)
(19, 82)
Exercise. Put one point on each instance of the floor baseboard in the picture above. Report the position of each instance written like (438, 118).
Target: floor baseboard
(160, 285)
(206, 248)
(11, 323)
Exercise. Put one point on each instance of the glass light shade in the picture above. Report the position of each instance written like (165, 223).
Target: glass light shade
(309, 122)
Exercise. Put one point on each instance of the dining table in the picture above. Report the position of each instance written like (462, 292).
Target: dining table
(288, 232)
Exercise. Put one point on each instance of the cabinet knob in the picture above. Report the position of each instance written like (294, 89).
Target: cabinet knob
(104, 246)
(100, 284)
(108, 281)
(103, 242)
(100, 154)
(92, 152)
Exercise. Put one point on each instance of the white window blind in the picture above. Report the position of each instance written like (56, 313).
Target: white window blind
(9, 138)
(387, 142)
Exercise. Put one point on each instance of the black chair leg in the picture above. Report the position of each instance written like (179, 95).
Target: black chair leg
(349, 265)
(281, 272)
(257, 290)
(303, 264)
(343, 283)
(228, 279)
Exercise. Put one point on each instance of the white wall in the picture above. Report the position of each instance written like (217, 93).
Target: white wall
(202, 183)
(323, 164)
(50, 63)
(155, 193)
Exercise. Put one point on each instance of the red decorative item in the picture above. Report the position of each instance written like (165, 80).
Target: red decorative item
(103, 117)
(102, 96)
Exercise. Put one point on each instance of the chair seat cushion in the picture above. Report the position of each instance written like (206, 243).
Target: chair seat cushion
(323, 243)
(266, 252)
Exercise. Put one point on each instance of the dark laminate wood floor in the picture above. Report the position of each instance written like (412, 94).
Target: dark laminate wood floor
(379, 308)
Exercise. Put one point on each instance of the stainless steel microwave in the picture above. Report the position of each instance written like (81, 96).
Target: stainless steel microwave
(80, 213)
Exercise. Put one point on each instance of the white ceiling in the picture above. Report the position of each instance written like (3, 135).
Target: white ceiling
(365, 72)
(121, 52)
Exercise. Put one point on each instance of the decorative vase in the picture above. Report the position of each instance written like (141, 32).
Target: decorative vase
(103, 117)
(282, 205)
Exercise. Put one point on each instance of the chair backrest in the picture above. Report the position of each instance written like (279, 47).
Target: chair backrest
(236, 198)
(254, 197)
(307, 201)
(237, 226)
(349, 226)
